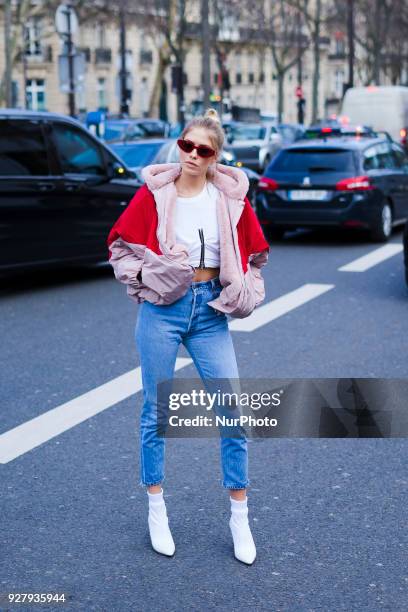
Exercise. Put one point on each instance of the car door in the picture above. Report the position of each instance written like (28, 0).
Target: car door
(374, 167)
(32, 230)
(96, 186)
(401, 162)
(393, 176)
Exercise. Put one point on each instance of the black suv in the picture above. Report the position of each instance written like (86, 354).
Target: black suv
(61, 190)
(344, 182)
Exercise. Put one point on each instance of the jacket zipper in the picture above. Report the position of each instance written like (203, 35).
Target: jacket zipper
(201, 234)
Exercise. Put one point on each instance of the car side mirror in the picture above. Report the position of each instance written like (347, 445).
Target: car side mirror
(117, 170)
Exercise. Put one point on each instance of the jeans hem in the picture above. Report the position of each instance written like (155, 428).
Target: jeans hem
(226, 486)
(150, 484)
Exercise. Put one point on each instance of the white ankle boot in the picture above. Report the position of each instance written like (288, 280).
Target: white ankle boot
(244, 545)
(160, 534)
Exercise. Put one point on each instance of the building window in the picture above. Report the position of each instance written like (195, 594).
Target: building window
(101, 93)
(36, 94)
(100, 35)
(262, 77)
(146, 56)
(32, 36)
(340, 46)
(238, 78)
(251, 78)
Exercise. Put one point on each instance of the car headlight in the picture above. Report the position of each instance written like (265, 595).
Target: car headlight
(228, 156)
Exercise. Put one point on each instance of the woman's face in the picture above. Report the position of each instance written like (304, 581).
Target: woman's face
(199, 136)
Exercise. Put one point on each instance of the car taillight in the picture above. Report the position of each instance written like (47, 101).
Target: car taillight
(326, 130)
(267, 184)
(403, 136)
(356, 183)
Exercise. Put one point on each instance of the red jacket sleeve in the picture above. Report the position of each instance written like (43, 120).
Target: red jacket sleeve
(135, 223)
(252, 243)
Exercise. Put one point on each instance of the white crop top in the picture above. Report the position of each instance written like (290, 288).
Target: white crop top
(199, 213)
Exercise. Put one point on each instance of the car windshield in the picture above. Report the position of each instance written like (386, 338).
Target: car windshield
(248, 132)
(152, 127)
(137, 155)
(287, 132)
(312, 160)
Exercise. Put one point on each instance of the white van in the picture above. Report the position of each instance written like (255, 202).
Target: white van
(382, 108)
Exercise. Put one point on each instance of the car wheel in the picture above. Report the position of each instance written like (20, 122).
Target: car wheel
(274, 232)
(381, 231)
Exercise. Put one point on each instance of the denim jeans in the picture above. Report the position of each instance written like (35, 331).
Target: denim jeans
(205, 334)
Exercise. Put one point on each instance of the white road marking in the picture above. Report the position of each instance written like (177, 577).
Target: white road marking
(280, 306)
(372, 259)
(40, 429)
(52, 423)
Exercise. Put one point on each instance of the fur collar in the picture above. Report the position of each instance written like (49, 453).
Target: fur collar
(232, 181)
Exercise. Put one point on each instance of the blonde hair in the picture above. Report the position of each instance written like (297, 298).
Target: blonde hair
(211, 122)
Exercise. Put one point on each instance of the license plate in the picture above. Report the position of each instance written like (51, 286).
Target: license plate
(307, 194)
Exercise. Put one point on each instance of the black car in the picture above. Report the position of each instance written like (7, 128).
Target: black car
(343, 182)
(61, 190)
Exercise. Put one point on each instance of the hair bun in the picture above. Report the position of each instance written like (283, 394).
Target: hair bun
(212, 113)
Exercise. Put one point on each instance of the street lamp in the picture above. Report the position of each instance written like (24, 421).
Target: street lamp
(124, 107)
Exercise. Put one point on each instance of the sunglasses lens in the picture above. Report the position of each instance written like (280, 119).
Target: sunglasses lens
(204, 151)
(185, 145)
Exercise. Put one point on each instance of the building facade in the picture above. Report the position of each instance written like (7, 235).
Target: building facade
(38, 70)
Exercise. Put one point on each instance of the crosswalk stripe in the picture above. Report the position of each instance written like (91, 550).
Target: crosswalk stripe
(52, 423)
(280, 306)
(361, 264)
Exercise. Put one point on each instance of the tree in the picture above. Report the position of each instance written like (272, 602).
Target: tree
(278, 28)
(316, 14)
(24, 10)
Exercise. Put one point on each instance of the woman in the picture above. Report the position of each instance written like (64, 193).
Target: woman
(189, 248)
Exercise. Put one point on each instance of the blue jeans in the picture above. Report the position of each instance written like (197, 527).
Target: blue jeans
(205, 334)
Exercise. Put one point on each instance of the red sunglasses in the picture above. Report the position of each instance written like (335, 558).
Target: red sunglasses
(202, 150)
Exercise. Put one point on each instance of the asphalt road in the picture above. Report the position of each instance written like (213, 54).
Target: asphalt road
(328, 515)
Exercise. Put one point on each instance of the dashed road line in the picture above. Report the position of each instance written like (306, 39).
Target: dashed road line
(361, 264)
(40, 429)
(263, 315)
